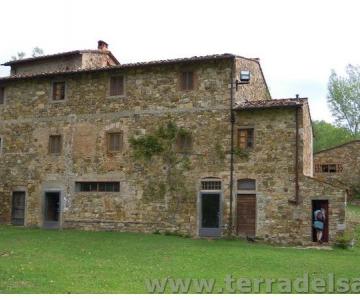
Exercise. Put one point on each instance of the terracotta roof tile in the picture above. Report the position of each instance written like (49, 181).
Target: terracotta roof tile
(125, 66)
(273, 103)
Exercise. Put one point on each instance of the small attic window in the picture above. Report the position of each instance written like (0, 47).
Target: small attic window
(245, 76)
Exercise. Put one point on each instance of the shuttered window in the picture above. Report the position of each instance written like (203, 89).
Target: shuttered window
(93, 186)
(2, 95)
(55, 144)
(116, 85)
(187, 80)
(184, 143)
(245, 138)
(58, 91)
(114, 141)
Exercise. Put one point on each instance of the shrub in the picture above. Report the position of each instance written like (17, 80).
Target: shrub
(345, 240)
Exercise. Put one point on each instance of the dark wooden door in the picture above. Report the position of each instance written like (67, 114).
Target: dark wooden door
(246, 214)
(319, 204)
(18, 208)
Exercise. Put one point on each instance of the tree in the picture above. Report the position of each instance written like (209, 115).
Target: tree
(37, 52)
(344, 98)
(19, 55)
(328, 135)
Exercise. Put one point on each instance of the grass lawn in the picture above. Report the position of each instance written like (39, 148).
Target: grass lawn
(70, 261)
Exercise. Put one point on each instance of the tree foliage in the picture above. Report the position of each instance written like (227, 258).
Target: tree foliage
(328, 135)
(344, 98)
(35, 53)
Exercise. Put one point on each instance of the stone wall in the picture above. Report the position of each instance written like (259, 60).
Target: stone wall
(152, 98)
(271, 163)
(347, 159)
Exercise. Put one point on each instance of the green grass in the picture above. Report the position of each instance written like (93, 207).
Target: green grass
(70, 261)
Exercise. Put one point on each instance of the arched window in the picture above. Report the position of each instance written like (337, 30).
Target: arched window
(246, 184)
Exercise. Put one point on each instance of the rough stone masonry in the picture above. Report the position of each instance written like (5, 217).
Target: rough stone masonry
(66, 160)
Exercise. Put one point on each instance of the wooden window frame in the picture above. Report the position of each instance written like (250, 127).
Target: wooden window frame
(108, 141)
(246, 129)
(184, 86)
(3, 89)
(110, 95)
(181, 146)
(50, 147)
(1, 144)
(53, 83)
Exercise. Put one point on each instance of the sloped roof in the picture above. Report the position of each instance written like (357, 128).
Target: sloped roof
(273, 103)
(56, 55)
(339, 146)
(129, 65)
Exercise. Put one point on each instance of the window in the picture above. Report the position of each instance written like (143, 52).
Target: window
(211, 185)
(58, 91)
(328, 168)
(246, 138)
(116, 85)
(114, 141)
(246, 184)
(55, 144)
(184, 143)
(187, 81)
(93, 186)
(2, 95)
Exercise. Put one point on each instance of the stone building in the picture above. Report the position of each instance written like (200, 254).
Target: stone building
(67, 161)
(340, 165)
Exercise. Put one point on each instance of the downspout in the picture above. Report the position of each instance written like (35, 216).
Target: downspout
(297, 156)
(232, 121)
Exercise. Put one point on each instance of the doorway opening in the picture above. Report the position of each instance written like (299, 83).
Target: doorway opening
(18, 208)
(318, 205)
(52, 210)
(210, 215)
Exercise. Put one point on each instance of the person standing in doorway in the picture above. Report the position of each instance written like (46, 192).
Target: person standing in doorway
(319, 221)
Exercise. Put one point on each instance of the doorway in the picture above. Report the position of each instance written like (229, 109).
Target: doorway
(210, 215)
(18, 208)
(52, 210)
(317, 205)
(246, 214)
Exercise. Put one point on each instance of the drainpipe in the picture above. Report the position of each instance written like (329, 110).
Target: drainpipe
(232, 121)
(297, 154)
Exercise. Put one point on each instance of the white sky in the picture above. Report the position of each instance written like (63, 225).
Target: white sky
(298, 42)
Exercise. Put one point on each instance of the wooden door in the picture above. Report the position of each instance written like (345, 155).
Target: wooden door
(18, 208)
(246, 214)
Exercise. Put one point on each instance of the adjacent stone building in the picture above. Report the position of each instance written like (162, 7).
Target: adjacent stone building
(67, 160)
(340, 165)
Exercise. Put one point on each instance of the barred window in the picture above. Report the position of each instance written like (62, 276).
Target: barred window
(94, 186)
(211, 185)
(58, 91)
(328, 168)
(245, 138)
(117, 85)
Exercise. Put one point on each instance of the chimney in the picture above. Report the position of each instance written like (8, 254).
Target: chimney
(102, 46)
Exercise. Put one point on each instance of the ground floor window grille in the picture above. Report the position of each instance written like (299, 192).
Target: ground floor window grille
(211, 185)
(91, 186)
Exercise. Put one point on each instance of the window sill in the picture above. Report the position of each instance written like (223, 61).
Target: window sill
(57, 101)
(117, 97)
